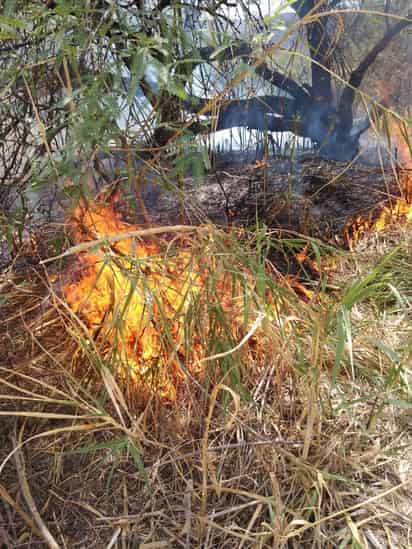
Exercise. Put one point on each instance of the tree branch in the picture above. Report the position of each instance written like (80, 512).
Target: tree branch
(266, 113)
(283, 82)
(320, 49)
(345, 108)
(303, 7)
(264, 103)
(272, 76)
(248, 119)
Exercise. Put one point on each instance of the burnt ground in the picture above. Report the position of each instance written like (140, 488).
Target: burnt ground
(315, 197)
(312, 197)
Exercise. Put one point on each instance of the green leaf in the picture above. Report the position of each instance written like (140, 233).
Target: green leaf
(4, 35)
(405, 405)
(368, 286)
(340, 345)
(160, 70)
(398, 296)
(218, 51)
(176, 88)
(137, 459)
(390, 353)
(137, 73)
(9, 7)
(115, 444)
(344, 337)
(12, 23)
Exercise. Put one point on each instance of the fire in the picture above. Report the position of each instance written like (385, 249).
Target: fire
(135, 297)
(401, 138)
(398, 210)
(258, 165)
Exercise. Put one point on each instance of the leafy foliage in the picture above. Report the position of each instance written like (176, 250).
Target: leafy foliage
(81, 80)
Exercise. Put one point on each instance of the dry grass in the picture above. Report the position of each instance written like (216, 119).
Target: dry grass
(302, 441)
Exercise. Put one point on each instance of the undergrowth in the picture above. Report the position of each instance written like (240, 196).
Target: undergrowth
(293, 430)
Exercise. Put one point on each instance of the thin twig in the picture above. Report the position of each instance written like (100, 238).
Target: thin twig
(250, 333)
(31, 504)
(6, 497)
(141, 233)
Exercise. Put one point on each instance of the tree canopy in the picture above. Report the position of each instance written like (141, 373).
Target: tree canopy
(148, 75)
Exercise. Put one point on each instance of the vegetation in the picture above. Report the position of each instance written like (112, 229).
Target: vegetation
(303, 438)
(117, 77)
(196, 386)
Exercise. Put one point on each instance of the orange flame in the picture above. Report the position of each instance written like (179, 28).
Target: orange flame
(398, 210)
(401, 138)
(131, 290)
(135, 299)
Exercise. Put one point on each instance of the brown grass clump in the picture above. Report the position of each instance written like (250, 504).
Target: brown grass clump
(300, 441)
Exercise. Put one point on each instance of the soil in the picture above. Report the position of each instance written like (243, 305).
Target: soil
(312, 197)
(315, 197)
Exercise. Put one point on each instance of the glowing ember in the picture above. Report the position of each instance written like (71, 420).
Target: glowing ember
(304, 259)
(136, 298)
(258, 165)
(300, 289)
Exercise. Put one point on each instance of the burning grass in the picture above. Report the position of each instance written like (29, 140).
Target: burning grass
(175, 389)
(147, 303)
(124, 295)
(395, 210)
(298, 437)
